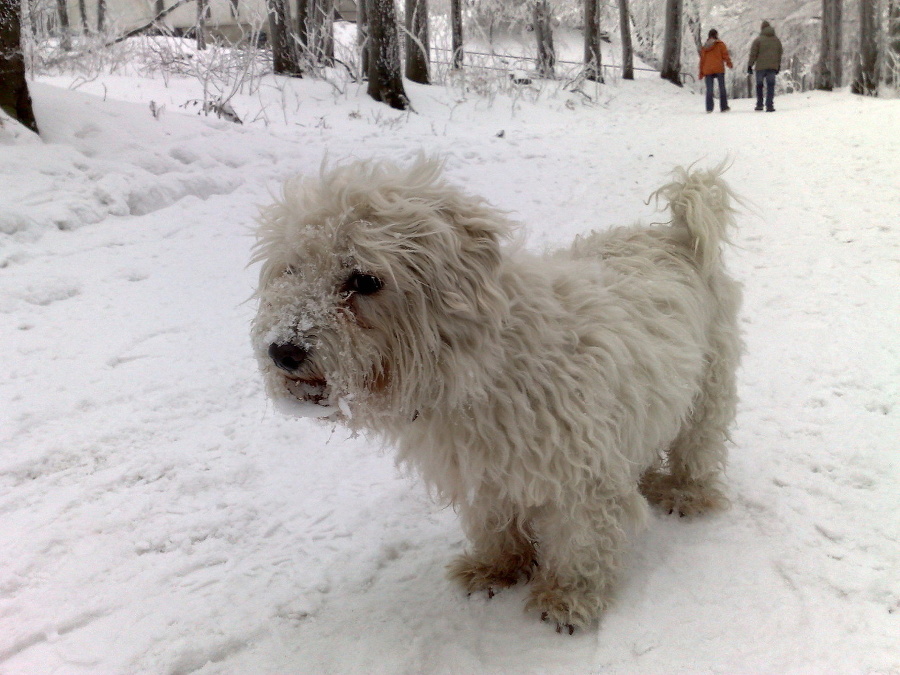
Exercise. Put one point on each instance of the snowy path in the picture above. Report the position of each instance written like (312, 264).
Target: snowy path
(157, 517)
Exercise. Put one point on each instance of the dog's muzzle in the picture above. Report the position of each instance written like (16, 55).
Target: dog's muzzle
(288, 356)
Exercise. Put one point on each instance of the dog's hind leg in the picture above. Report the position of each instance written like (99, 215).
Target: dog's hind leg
(501, 547)
(691, 483)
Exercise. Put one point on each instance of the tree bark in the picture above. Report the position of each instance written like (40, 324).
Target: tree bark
(14, 97)
(671, 60)
(284, 54)
(865, 79)
(62, 12)
(829, 70)
(417, 58)
(593, 59)
(627, 49)
(101, 15)
(543, 31)
(200, 26)
(362, 36)
(315, 26)
(385, 81)
(326, 31)
(456, 33)
(82, 9)
(892, 76)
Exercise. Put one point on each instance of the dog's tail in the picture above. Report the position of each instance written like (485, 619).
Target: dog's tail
(701, 202)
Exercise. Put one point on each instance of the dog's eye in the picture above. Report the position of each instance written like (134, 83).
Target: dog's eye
(364, 284)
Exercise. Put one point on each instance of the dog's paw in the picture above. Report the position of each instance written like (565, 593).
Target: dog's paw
(476, 575)
(685, 498)
(568, 609)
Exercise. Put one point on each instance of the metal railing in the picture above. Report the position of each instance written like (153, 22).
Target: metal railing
(510, 62)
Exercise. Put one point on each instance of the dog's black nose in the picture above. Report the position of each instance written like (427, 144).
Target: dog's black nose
(288, 356)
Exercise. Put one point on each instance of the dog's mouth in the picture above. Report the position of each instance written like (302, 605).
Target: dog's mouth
(305, 398)
(310, 391)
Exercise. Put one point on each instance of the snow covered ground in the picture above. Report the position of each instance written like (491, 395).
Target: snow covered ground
(157, 516)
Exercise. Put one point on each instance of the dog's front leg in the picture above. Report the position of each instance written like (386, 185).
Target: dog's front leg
(579, 548)
(501, 548)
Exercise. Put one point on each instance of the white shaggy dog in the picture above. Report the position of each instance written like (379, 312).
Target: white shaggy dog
(548, 397)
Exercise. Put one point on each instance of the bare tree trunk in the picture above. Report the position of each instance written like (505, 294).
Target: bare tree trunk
(15, 100)
(385, 80)
(200, 27)
(671, 60)
(865, 80)
(456, 33)
(627, 50)
(284, 54)
(101, 15)
(543, 31)
(63, 13)
(593, 59)
(417, 58)
(829, 70)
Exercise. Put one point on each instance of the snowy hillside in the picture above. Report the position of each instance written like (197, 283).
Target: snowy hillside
(159, 517)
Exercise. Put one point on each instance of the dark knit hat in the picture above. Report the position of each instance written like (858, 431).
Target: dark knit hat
(765, 24)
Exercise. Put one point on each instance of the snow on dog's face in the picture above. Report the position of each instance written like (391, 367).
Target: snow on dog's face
(378, 291)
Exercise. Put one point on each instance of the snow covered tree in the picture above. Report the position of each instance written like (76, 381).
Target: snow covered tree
(892, 62)
(671, 59)
(15, 100)
(830, 68)
(385, 80)
(456, 33)
(315, 27)
(694, 22)
(593, 59)
(543, 32)
(865, 78)
(625, 33)
(417, 58)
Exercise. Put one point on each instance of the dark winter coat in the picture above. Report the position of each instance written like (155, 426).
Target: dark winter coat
(713, 58)
(765, 52)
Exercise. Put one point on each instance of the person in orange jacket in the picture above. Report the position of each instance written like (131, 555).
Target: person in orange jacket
(713, 59)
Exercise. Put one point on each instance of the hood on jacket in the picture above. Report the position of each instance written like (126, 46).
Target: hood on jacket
(766, 29)
(709, 44)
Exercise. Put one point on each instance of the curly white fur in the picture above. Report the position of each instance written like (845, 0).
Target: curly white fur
(548, 397)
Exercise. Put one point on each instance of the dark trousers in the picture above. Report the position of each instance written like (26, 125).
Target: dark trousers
(723, 97)
(767, 76)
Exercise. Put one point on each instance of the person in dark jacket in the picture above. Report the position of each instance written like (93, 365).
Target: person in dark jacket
(765, 54)
(713, 59)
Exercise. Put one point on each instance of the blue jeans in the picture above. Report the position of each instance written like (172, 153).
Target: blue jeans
(767, 76)
(723, 98)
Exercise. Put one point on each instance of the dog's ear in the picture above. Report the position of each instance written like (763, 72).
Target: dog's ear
(476, 293)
